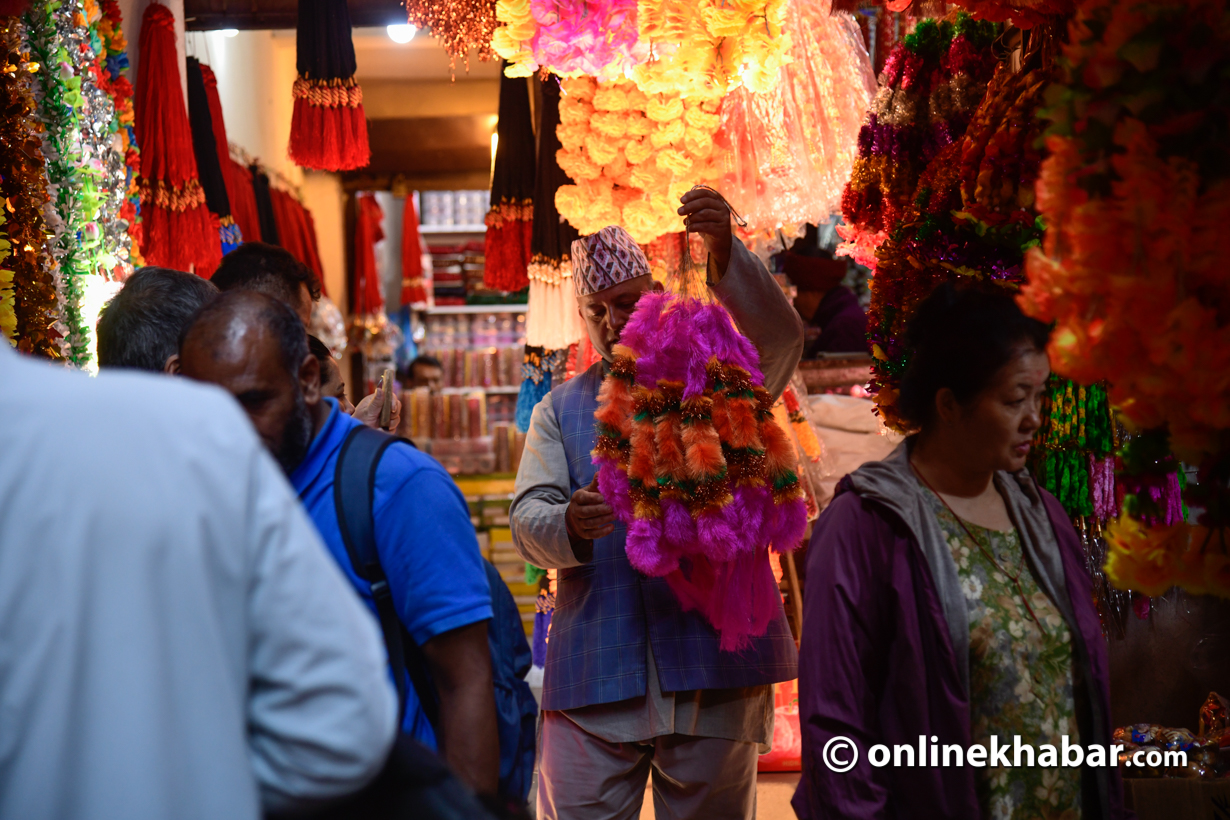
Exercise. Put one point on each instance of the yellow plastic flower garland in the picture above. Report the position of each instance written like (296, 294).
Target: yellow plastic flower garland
(631, 155)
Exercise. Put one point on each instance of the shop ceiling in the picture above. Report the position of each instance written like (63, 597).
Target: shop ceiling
(209, 15)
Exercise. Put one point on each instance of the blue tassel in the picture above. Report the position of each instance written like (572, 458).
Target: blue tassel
(531, 393)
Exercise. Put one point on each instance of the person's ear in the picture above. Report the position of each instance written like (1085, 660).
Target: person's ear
(309, 379)
(947, 408)
(171, 365)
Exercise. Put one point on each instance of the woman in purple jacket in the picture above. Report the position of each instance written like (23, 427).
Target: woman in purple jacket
(947, 606)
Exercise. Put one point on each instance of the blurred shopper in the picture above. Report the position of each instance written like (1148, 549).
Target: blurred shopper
(332, 385)
(947, 597)
(175, 641)
(252, 346)
(272, 271)
(634, 683)
(836, 322)
(425, 371)
(139, 328)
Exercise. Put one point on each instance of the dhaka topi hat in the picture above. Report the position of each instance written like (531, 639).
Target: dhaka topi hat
(606, 259)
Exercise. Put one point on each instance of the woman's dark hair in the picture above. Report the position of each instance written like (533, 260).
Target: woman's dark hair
(959, 338)
(318, 349)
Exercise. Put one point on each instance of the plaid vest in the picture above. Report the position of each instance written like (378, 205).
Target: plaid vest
(605, 610)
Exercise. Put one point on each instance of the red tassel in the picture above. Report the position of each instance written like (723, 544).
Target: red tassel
(413, 286)
(369, 299)
(177, 228)
(328, 129)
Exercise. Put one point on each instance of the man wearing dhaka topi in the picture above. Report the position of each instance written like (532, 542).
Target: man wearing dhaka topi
(633, 683)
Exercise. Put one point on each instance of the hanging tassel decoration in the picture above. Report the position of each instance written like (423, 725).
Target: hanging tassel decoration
(328, 130)
(178, 231)
(552, 319)
(510, 220)
(414, 274)
(208, 164)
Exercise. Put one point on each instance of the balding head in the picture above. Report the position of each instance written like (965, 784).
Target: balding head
(255, 347)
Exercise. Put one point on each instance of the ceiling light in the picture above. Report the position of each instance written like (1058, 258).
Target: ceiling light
(401, 33)
(229, 32)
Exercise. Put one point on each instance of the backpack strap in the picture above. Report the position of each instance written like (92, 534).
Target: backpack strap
(354, 482)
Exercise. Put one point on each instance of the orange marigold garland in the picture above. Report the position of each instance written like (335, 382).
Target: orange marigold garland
(691, 459)
(1136, 196)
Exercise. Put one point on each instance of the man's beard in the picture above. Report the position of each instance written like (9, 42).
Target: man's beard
(296, 436)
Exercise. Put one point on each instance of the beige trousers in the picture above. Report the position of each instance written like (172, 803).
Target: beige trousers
(582, 777)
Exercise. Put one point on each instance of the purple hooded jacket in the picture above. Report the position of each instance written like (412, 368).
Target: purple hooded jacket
(885, 646)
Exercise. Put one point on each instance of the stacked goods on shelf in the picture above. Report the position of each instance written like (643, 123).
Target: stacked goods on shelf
(463, 209)
(448, 273)
(467, 424)
(457, 428)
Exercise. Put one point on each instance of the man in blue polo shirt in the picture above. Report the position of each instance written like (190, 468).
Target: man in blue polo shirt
(255, 347)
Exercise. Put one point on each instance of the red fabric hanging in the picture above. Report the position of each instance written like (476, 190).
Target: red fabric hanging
(413, 286)
(296, 231)
(368, 298)
(238, 180)
(243, 200)
(506, 254)
(311, 248)
(178, 231)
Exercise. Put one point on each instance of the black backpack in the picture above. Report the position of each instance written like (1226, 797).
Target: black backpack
(516, 710)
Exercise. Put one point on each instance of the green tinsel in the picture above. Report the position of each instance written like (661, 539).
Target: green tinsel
(1076, 425)
(63, 47)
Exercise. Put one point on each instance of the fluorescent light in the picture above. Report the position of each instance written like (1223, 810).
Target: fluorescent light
(401, 33)
(229, 32)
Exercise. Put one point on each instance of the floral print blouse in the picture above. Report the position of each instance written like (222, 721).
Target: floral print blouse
(1020, 676)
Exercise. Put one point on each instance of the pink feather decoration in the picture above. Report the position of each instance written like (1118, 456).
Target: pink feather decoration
(705, 533)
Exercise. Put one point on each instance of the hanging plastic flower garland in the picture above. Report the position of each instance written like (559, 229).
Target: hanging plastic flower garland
(631, 156)
(675, 46)
(692, 460)
(1136, 209)
(787, 151)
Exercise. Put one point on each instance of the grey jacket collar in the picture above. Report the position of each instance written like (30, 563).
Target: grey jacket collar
(893, 484)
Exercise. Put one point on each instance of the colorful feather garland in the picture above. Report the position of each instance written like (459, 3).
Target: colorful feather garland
(693, 462)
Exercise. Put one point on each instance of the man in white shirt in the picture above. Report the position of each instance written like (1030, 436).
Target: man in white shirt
(174, 639)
